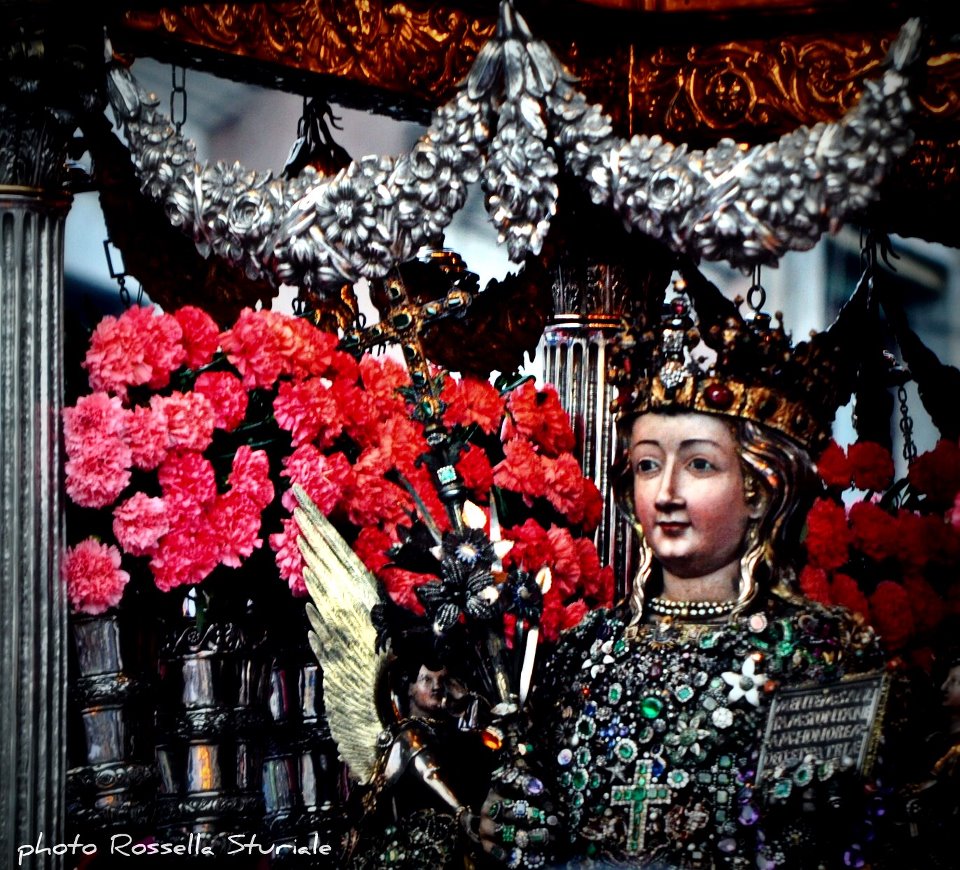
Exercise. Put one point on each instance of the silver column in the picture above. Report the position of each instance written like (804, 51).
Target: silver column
(590, 300)
(33, 612)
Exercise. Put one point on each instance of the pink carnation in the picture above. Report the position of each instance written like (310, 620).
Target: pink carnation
(190, 419)
(185, 556)
(139, 523)
(93, 418)
(147, 436)
(227, 396)
(200, 336)
(308, 411)
(139, 347)
(189, 484)
(250, 476)
(289, 559)
(234, 522)
(92, 573)
(324, 478)
(96, 479)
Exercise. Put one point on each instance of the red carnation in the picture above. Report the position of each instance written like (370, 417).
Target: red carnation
(828, 537)
(573, 614)
(185, 556)
(200, 338)
(926, 604)
(605, 587)
(190, 419)
(531, 548)
(564, 486)
(937, 474)
(382, 379)
(401, 586)
(845, 592)
(371, 547)
(539, 416)
(564, 561)
(551, 620)
(873, 531)
(227, 395)
(521, 470)
(474, 402)
(815, 584)
(256, 348)
(476, 471)
(891, 615)
(871, 465)
(834, 467)
(371, 499)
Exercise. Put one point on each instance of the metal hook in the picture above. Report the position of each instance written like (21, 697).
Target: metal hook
(756, 288)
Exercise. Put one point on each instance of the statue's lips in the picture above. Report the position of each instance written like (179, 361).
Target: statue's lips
(673, 528)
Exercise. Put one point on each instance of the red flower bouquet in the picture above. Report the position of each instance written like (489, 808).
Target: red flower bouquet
(893, 555)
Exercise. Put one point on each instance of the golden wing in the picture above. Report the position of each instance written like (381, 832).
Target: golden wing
(342, 637)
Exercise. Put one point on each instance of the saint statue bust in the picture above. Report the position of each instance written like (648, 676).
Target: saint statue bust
(650, 717)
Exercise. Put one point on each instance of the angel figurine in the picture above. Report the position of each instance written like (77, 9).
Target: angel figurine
(409, 730)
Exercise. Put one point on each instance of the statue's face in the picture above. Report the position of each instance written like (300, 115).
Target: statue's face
(428, 692)
(951, 688)
(688, 492)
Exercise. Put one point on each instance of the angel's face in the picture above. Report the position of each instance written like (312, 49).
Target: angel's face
(428, 692)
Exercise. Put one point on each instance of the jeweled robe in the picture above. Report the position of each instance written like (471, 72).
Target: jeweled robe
(651, 739)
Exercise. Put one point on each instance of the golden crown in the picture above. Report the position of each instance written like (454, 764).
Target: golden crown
(757, 374)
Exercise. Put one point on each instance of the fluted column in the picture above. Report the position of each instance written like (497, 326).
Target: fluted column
(590, 300)
(38, 83)
(32, 604)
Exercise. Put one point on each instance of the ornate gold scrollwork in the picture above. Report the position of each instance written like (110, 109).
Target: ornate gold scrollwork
(421, 52)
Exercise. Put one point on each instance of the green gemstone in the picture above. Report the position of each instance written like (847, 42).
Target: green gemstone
(639, 794)
(580, 780)
(446, 474)
(721, 796)
(782, 789)
(626, 751)
(684, 694)
(594, 780)
(615, 693)
(651, 707)
(725, 761)
(620, 646)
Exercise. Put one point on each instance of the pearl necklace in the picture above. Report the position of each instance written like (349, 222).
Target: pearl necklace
(669, 607)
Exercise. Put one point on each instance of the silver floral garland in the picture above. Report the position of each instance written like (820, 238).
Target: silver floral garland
(514, 119)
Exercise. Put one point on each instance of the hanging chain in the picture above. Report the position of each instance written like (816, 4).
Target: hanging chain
(756, 295)
(178, 97)
(120, 276)
(906, 426)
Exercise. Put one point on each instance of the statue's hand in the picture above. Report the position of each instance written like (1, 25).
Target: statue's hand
(517, 820)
